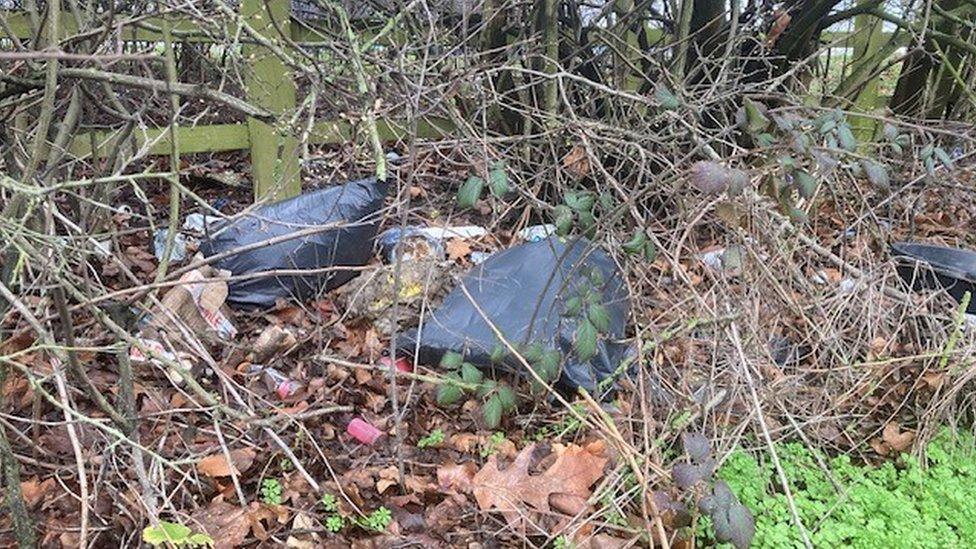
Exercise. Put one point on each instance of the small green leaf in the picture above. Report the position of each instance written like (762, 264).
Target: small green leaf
(449, 392)
(498, 354)
(756, 120)
(599, 316)
(507, 397)
(846, 138)
(765, 140)
(549, 365)
(827, 126)
(650, 251)
(571, 199)
(532, 353)
(586, 340)
(498, 181)
(896, 148)
(930, 166)
(564, 220)
(890, 131)
(572, 306)
(470, 373)
(166, 532)
(927, 151)
(805, 183)
(904, 140)
(798, 216)
(492, 412)
(586, 219)
(666, 98)
(470, 192)
(636, 244)
(943, 157)
(451, 360)
(876, 173)
(585, 202)
(486, 388)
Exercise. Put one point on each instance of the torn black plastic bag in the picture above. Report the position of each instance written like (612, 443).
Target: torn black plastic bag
(523, 292)
(348, 217)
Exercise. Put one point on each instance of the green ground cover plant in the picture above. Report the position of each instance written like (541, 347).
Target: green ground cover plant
(897, 504)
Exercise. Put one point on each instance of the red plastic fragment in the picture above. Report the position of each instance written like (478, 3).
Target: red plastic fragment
(363, 431)
(402, 364)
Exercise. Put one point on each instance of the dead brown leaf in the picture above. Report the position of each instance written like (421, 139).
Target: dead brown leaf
(564, 486)
(896, 439)
(453, 477)
(218, 466)
(458, 248)
(388, 477)
(34, 490)
(227, 524)
(576, 162)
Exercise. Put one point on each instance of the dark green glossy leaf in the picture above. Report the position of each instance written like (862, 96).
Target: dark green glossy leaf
(470, 192)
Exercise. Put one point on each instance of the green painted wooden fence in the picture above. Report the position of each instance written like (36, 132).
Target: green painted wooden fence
(269, 84)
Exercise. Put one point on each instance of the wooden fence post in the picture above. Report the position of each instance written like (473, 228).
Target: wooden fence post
(275, 169)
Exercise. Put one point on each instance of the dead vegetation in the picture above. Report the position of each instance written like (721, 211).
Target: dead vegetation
(761, 309)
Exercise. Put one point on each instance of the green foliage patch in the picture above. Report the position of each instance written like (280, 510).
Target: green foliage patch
(890, 506)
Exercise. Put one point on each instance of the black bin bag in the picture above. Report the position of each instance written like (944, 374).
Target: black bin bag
(526, 292)
(348, 215)
(936, 267)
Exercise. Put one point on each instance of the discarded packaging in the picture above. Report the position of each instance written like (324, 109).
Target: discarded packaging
(924, 266)
(477, 258)
(178, 252)
(410, 243)
(200, 223)
(527, 293)
(272, 340)
(422, 242)
(536, 232)
(364, 432)
(336, 227)
(282, 385)
(156, 349)
(198, 303)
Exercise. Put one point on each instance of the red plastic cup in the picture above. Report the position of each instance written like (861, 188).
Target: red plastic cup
(363, 431)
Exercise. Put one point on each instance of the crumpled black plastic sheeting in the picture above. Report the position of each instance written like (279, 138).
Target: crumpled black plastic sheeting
(351, 208)
(522, 291)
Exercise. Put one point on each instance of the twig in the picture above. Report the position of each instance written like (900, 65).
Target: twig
(744, 368)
